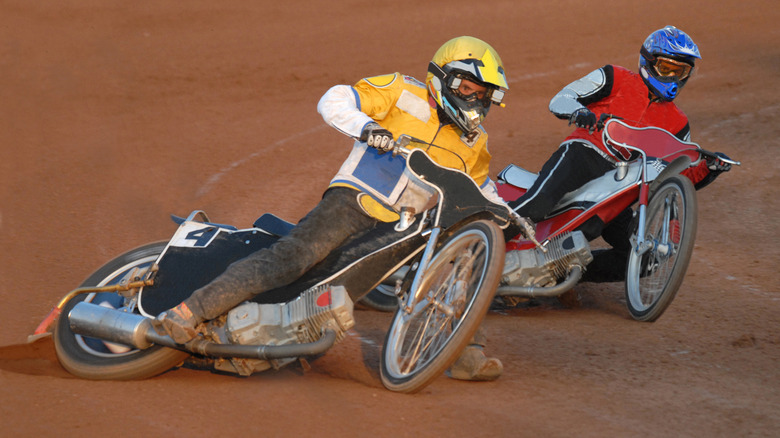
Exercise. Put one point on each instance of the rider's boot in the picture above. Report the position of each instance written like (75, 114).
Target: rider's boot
(178, 323)
(473, 364)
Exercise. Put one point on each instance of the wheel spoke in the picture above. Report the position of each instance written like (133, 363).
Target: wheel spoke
(424, 347)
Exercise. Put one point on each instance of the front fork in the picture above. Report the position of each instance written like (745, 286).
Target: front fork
(416, 293)
(662, 245)
(644, 195)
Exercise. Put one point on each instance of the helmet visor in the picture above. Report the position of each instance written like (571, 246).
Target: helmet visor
(668, 67)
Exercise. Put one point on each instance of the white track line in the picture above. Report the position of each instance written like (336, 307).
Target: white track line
(213, 179)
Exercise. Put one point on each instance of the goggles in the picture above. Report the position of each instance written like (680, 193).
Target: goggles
(668, 67)
(490, 95)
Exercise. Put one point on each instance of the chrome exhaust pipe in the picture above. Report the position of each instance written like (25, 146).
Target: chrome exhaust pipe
(113, 325)
(553, 291)
(134, 330)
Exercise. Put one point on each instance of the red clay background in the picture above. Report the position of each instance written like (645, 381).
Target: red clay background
(114, 115)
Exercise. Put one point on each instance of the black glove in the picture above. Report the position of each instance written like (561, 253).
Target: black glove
(584, 118)
(716, 165)
(377, 137)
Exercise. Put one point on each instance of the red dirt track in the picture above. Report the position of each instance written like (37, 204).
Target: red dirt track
(114, 115)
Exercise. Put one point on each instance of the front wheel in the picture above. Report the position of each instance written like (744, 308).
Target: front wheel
(95, 359)
(457, 289)
(653, 278)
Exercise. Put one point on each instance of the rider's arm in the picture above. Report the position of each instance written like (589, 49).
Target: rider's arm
(591, 88)
(340, 109)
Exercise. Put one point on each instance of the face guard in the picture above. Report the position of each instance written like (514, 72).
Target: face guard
(466, 59)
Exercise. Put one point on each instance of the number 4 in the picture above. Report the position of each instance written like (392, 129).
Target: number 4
(202, 236)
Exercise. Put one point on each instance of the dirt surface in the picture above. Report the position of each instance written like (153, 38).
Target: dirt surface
(114, 115)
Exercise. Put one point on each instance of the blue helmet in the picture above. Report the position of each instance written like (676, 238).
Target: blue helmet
(666, 61)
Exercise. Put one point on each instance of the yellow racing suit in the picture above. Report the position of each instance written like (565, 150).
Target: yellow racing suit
(401, 105)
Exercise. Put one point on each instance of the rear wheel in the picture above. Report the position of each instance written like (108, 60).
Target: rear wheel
(95, 359)
(653, 278)
(382, 297)
(457, 289)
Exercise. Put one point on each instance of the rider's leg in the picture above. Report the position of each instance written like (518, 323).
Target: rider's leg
(473, 364)
(570, 167)
(618, 232)
(609, 265)
(334, 220)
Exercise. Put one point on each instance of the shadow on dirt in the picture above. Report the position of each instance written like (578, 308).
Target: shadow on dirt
(35, 359)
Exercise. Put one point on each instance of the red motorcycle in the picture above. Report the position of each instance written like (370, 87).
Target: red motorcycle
(662, 228)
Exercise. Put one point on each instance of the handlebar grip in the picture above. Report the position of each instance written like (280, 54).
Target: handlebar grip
(714, 155)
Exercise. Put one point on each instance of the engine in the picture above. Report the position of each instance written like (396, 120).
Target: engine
(544, 269)
(301, 320)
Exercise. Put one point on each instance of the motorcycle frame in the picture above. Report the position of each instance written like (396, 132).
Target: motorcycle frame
(658, 143)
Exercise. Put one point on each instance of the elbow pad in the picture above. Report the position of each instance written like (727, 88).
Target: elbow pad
(567, 101)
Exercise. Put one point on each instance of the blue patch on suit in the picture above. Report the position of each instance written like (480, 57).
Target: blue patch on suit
(381, 172)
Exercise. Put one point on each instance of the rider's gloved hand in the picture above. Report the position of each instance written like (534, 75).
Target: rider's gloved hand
(377, 137)
(716, 165)
(584, 118)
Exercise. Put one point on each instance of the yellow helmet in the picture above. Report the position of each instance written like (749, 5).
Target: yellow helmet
(468, 58)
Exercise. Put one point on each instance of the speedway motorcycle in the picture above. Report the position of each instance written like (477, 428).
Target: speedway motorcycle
(663, 225)
(452, 245)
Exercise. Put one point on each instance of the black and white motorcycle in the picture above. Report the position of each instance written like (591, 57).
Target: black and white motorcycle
(453, 250)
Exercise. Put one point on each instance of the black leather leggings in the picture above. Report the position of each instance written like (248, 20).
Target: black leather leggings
(569, 168)
(337, 217)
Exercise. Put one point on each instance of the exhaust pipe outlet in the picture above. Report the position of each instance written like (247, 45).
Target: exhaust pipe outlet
(112, 325)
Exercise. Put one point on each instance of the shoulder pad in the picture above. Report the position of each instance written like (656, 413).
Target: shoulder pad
(382, 81)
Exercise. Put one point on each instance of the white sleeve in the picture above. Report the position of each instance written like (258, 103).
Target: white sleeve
(339, 108)
(566, 102)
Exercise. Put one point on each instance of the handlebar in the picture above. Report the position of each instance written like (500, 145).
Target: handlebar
(603, 120)
(715, 156)
(401, 145)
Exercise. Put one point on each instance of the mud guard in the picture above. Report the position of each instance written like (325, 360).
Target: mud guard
(183, 270)
(462, 196)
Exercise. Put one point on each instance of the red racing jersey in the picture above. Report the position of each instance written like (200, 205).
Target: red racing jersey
(618, 91)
